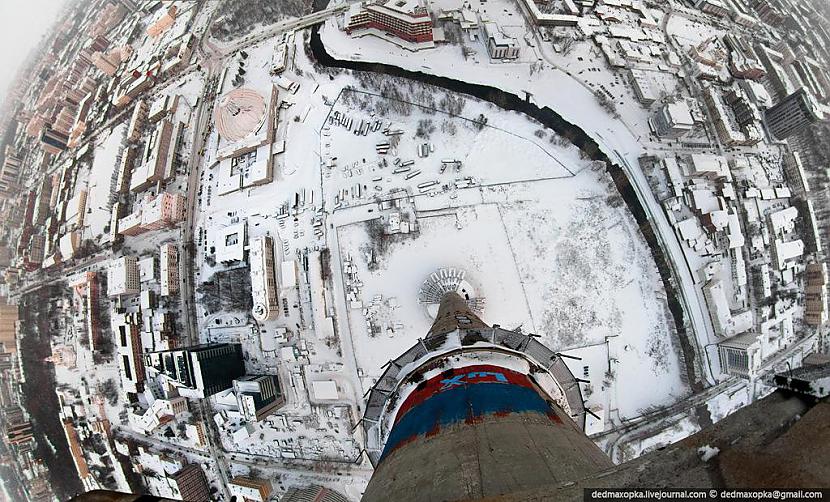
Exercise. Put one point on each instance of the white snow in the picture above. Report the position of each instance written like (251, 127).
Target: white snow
(99, 181)
(707, 452)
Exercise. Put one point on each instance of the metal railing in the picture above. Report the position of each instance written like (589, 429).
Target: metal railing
(383, 395)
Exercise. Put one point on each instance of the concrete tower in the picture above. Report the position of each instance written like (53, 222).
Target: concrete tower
(472, 412)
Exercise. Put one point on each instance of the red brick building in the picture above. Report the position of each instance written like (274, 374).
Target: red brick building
(405, 19)
(192, 483)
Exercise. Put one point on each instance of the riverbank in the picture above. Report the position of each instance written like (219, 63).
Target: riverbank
(574, 135)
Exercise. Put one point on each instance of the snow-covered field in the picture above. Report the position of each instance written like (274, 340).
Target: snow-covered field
(623, 136)
(474, 241)
(553, 254)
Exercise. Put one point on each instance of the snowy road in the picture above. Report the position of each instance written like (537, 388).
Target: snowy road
(691, 296)
(281, 27)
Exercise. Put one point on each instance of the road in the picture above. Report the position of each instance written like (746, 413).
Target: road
(187, 250)
(237, 458)
(344, 332)
(691, 298)
(694, 305)
(60, 274)
(212, 59)
(649, 424)
(281, 27)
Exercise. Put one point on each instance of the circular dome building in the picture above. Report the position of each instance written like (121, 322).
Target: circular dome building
(239, 113)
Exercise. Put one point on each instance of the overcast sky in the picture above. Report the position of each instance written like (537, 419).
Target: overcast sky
(22, 24)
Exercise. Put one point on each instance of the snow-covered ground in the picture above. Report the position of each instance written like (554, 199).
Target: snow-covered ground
(623, 136)
(77, 368)
(541, 232)
(555, 254)
(99, 181)
(545, 241)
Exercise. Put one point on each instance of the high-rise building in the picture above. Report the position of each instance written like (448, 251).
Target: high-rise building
(53, 141)
(17, 426)
(164, 210)
(408, 20)
(34, 252)
(137, 120)
(42, 209)
(130, 361)
(495, 405)
(792, 114)
(131, 5)
(104, 63)
(202, 369)
(6, 363)
(10, 173)
(13, 414)
(673, 120)
(263, 282)
(97, 43)
(192, 483)
(796, 177)
(156, 159)
(169, 267)
(5, 256)
(122, 277)
(9, 316)
(163, 23)
(258, 396)
(815, 294)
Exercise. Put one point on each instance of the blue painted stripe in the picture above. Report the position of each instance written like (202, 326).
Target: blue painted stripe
(464, 403)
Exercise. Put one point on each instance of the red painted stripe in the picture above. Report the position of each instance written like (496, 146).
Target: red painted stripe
(481, 373)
